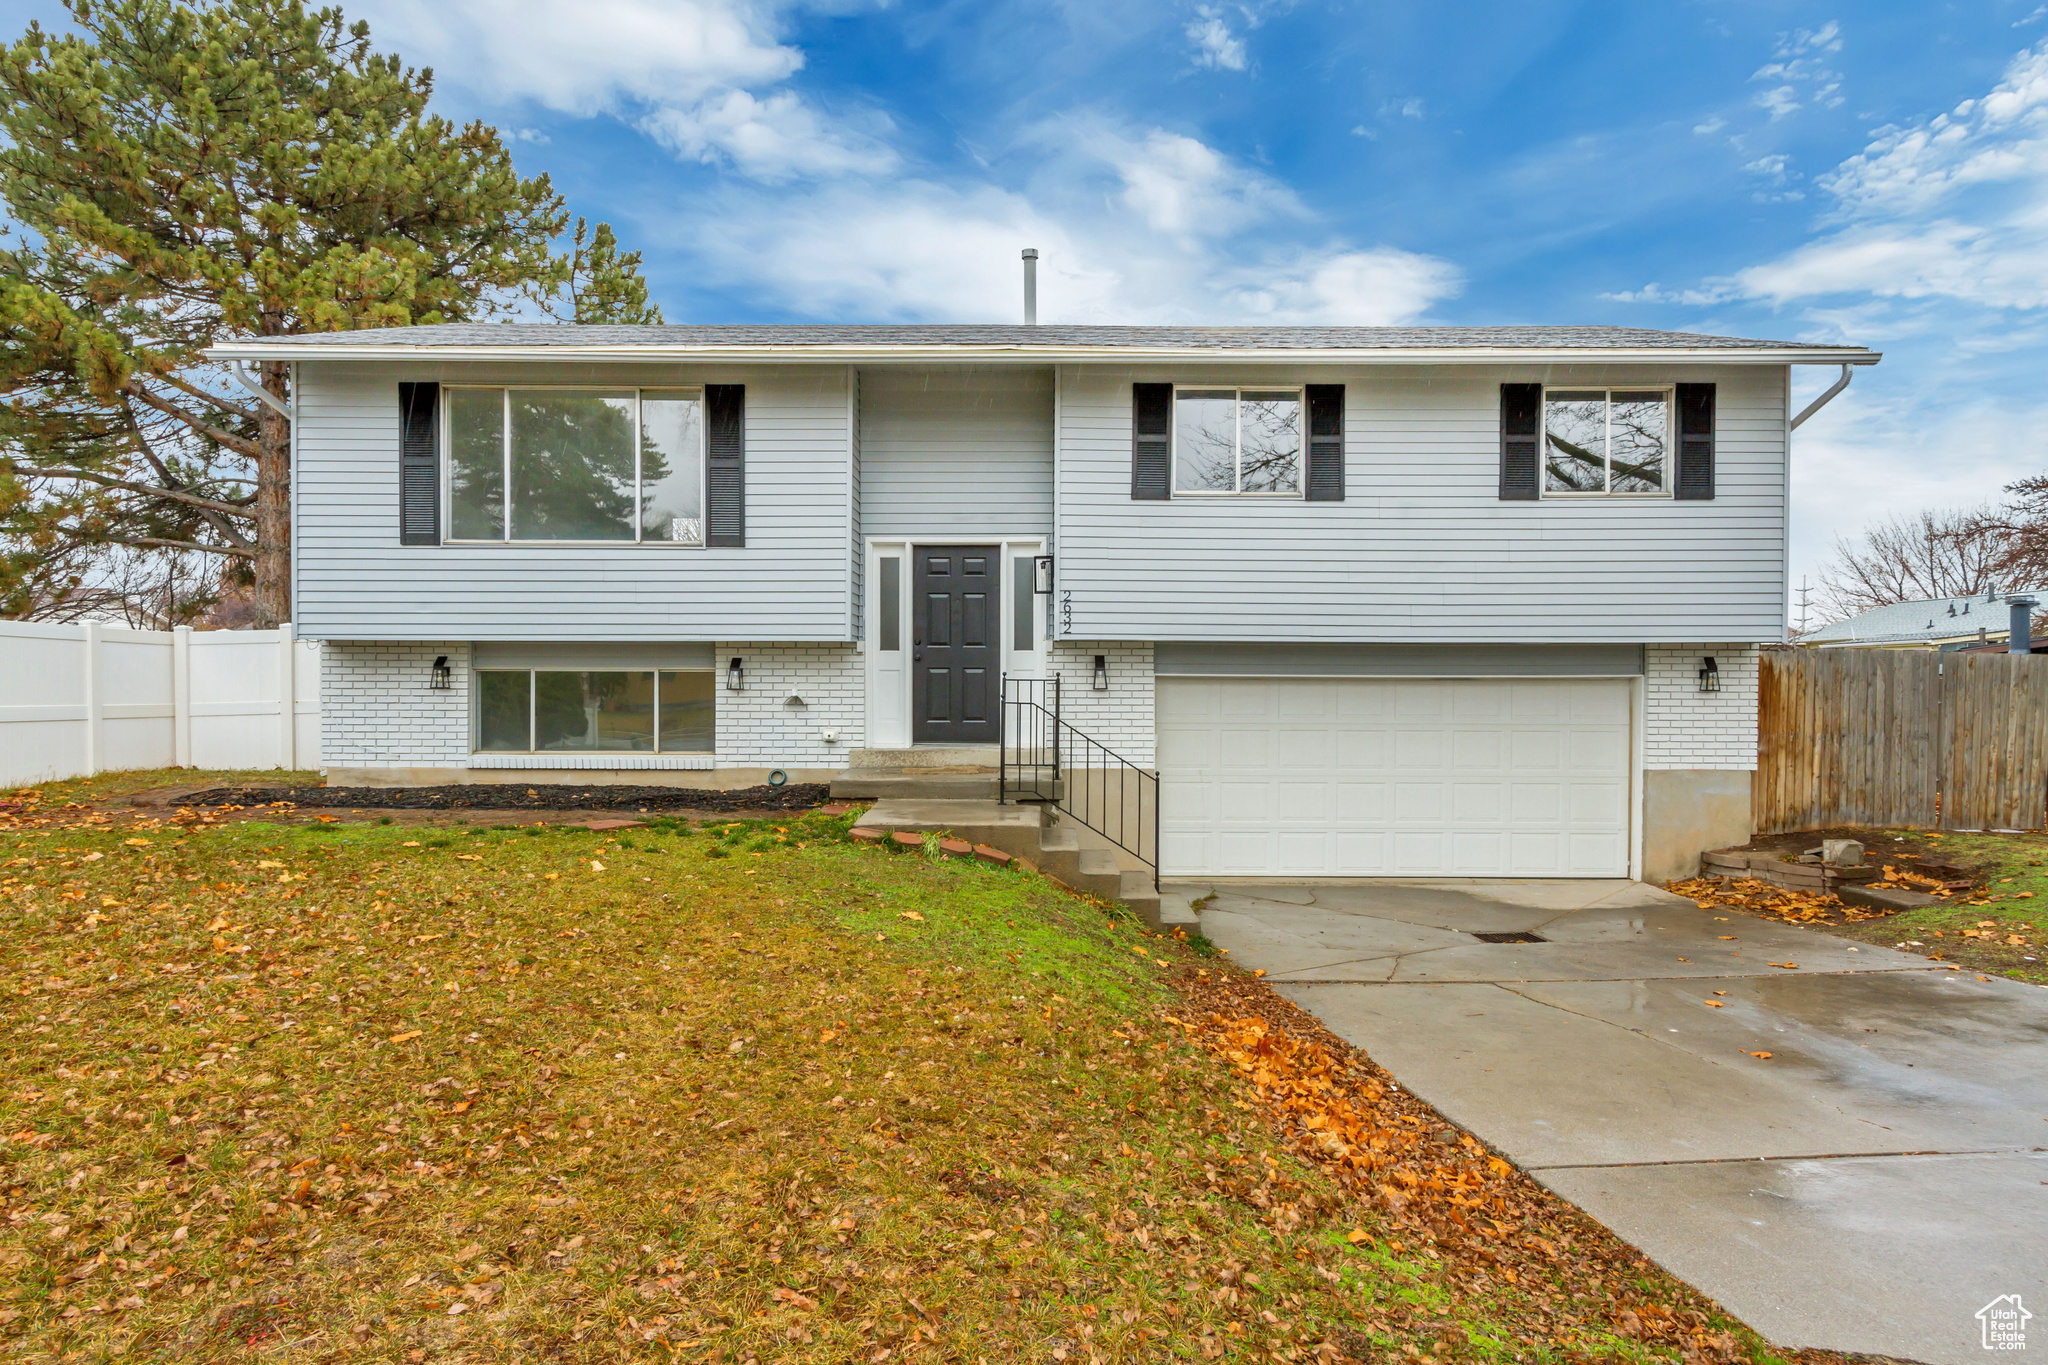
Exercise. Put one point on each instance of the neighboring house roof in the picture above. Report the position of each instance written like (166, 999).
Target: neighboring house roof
(1930, 621)
(1050, 342)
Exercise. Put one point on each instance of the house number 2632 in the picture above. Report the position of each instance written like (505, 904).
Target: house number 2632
(1066, 613)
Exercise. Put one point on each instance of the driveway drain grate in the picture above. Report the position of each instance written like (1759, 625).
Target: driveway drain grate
(1519, 936)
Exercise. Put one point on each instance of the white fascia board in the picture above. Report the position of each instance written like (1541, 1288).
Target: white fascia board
(281, 348)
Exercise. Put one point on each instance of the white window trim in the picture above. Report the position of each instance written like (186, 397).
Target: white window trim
(1670, 392)
(1238, 392)
(532, 691)
(444, 420)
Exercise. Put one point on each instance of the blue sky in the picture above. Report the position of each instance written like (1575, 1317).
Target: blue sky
(1875, 174)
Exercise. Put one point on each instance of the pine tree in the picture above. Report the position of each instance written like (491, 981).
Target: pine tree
(184, 174)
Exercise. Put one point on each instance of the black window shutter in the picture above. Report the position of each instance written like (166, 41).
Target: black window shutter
(1695, 481)
(1520, 405)
(1152, 442)
(725, 480)
(419, 472)
(1326, 443)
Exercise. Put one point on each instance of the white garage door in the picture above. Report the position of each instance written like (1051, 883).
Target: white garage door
(1370, 777)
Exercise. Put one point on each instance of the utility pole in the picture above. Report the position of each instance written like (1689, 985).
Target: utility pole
(1805, 604)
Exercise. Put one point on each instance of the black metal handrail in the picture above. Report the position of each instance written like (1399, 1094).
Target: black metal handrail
(1042, 758)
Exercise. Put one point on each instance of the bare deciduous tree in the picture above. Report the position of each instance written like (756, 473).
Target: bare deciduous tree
(1920, 555)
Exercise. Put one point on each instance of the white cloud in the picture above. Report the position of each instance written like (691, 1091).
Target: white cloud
(588, 57)
(1411, 107)
(2040, 13)
(1954, 207)
(1134, 226)
(695, 75)
(1711, 126)
(1216, 47)
(773, 139)
(1800, 71)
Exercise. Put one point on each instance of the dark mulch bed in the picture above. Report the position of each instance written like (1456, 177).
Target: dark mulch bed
(491, 796)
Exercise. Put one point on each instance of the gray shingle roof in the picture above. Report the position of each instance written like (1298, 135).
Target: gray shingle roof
(1927, 620)
(920, 334)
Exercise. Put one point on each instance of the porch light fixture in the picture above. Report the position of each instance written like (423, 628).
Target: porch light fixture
(1041, 575)
(1102, 673)
(735, 677)
(439, 678)
(1710, 675)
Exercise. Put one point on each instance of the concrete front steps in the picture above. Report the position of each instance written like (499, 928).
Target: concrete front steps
(1056, 845)
(930, 772)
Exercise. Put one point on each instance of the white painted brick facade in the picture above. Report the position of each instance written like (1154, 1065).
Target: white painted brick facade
(376, 709)
(759, 728)
(1120, 719)
(1684, 727)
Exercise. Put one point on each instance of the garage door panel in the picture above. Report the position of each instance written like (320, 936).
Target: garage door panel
(1381, 777)
(1364, 803)
(1359, 750)
(1428, 750)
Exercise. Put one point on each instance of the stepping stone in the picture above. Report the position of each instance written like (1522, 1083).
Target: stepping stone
(992, 855)
(836, 808)
(903, 840)
(956, 847)
(602, 825)
(866, 835)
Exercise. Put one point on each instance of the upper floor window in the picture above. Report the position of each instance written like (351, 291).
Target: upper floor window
(1237, 441)
(1606, 440)
(575, 464)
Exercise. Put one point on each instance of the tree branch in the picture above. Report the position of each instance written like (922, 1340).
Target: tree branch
(228, 508)
(187, 387)
(196, 422)
(153, 542)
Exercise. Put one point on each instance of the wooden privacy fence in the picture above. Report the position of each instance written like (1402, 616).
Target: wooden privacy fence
(1901, 737)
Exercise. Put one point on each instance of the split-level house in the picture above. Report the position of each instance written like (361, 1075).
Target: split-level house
(1370, 601)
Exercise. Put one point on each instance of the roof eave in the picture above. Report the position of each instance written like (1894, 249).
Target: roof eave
(284, 348)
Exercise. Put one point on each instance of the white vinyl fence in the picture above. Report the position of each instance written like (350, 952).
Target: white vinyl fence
(83, 699)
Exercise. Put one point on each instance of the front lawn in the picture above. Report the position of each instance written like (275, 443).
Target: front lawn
(746, 1091)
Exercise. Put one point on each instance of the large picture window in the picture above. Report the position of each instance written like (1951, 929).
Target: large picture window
(633, 711)
(576, 464)
(1243, 442)
(1606, 440)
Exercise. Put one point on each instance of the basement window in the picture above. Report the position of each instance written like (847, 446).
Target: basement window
(555, 711)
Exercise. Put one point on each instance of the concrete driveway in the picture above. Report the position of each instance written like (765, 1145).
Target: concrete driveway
(1869, 1186)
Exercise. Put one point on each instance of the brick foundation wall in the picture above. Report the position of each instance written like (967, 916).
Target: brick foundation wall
(1684, 727)
(758, 727)
(376, 709)
(1120, 719)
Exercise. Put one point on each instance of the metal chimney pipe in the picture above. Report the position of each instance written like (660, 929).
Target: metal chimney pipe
(1030, 286)
(2019, 641)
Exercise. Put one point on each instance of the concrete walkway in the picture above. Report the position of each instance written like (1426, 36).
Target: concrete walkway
(1869, 1186)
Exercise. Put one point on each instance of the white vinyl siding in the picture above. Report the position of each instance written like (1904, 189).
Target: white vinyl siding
(1422, 549)
(1382, 777)
(956, 452)
(355, 581)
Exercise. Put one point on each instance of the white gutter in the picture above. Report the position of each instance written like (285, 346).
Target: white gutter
(282, 348)
(1848, 371)
(255, 386)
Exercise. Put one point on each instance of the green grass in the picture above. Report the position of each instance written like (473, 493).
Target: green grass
(348, 1091)
(2001, 930)
(118, 786)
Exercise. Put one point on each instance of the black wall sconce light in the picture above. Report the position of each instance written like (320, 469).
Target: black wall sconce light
(1710, 675)
(1041, 574)
(1102, 673)
(735, 677)
(439, 678)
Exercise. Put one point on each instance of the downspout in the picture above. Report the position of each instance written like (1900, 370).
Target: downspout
(255, 386)
(1817, 404)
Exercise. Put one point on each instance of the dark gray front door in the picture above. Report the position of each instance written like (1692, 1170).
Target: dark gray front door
(955, 668)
